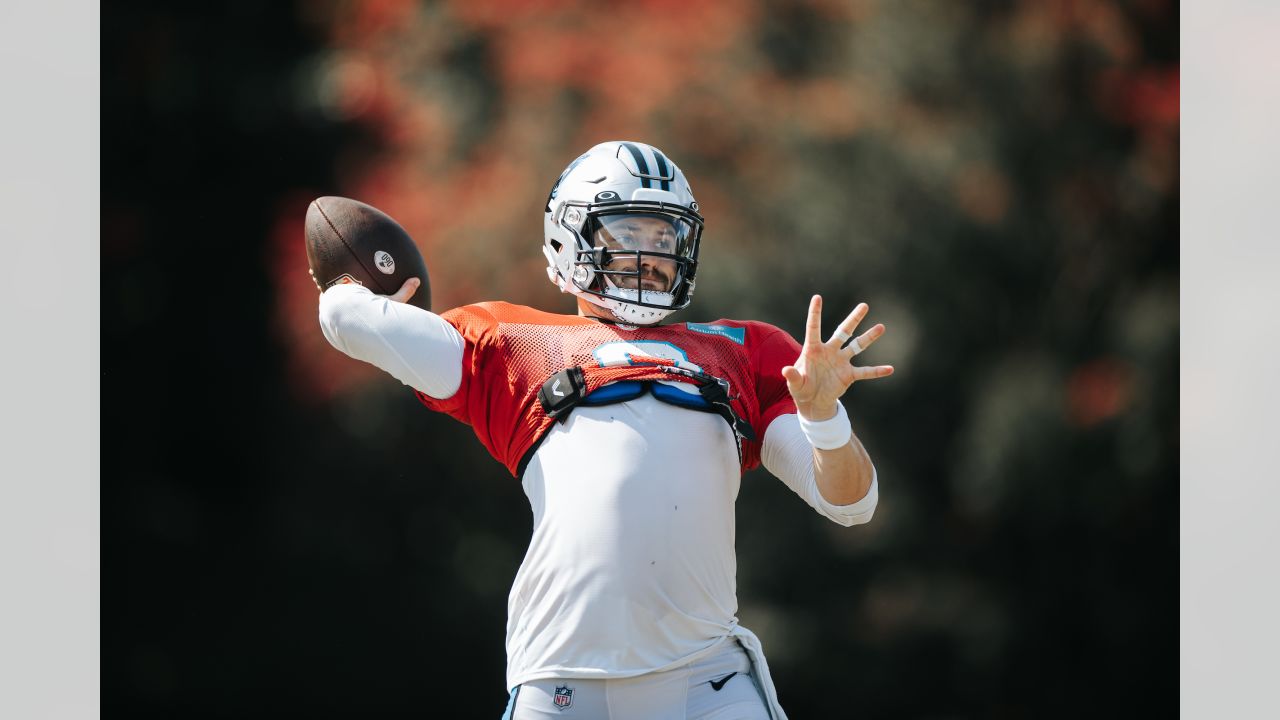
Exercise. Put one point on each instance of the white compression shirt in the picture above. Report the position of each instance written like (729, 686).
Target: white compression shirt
(631, 566)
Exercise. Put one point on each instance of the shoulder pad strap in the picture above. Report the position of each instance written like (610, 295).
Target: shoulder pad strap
(561, 392)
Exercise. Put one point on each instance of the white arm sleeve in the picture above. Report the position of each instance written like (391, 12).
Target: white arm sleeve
(417, 347)
(788, 455)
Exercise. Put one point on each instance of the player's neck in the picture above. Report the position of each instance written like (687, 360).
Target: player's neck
(601, 315)
(588, 310)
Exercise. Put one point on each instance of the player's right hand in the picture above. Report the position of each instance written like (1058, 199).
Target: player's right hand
(406, 290)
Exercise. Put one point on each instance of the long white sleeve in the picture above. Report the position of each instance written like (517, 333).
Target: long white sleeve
(416, 347)
(789, 456)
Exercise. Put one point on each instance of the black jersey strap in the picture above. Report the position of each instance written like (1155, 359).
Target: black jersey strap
(716, 392)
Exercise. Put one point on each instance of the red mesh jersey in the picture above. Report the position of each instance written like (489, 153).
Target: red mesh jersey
(512, 349)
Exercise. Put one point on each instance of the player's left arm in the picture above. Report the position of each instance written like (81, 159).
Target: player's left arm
(817, 380)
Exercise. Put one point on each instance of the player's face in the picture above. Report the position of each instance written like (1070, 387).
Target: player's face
(649, 234)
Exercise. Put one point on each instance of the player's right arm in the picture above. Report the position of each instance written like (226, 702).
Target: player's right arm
(415, 346)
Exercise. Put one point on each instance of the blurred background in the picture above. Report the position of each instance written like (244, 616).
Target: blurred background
(289, 531)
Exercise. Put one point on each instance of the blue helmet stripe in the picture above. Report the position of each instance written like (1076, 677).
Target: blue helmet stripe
(641, 165)
(662, 168)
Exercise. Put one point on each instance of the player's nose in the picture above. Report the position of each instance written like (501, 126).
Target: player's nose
(653, 266)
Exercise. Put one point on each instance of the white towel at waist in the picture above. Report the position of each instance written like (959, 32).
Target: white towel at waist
(751, 644)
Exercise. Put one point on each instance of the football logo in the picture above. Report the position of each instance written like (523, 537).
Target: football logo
(384, 261)
(563, 697)
(343, 279)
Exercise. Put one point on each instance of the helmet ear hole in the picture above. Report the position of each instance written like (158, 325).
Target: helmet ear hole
(557, 245)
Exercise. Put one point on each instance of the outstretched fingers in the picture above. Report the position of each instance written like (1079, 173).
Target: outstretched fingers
(870, 372)
(863, 341)
(846, 327)
(842, 341)
(813, 326)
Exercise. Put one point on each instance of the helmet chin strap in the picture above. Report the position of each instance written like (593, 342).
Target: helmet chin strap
(618, 301)
(636, 314)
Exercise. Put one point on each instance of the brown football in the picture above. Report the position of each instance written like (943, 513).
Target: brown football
(349, 239)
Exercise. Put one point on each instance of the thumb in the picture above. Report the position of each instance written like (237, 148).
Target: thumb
(406, 290)
(791, 374)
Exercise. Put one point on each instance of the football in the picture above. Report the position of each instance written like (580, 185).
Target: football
(349, 239)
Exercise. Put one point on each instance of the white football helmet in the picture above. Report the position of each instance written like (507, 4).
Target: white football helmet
(621, 230)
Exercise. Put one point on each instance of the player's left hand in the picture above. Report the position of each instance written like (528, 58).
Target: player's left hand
(824, 370)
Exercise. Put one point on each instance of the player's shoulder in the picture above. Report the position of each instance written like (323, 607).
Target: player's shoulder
(494, 312)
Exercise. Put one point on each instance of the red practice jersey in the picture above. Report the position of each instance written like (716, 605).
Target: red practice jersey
(511, 350)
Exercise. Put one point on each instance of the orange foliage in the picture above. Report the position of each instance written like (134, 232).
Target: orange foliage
(478, 106)
(1097, 391)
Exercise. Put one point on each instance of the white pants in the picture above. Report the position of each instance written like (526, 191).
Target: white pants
(720, 686)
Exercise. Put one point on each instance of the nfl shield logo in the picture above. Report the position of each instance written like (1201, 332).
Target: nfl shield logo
(563, 697)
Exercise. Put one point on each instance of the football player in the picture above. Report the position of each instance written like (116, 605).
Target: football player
(629, 437)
